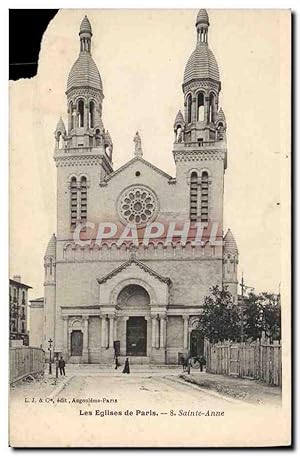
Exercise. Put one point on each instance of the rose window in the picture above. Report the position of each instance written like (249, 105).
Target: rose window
(137, 204)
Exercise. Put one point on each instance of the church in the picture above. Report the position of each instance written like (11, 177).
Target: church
(139, 287)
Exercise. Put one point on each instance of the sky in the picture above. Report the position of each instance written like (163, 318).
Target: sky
(141, 56)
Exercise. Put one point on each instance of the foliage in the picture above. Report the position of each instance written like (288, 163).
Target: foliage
(220, 318)
(262, 314)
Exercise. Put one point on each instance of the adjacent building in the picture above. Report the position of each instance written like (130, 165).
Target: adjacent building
(144, 296)
(18, 311)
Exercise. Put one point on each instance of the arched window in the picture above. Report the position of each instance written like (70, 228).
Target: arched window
(211, 111)
(179, 137)
(204, 197)
(193, 197)
(73, 202)
(58, 139)
(92, 114)
(200, 107)
(220, 130)
(81, 113)
(97, 136)
(83, 200)
(189, 108)
(71, 115)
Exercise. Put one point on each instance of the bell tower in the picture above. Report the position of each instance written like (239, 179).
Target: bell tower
(83, 150)
(200, 149)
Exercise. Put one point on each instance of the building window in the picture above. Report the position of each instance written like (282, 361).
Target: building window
(83, 200)
(81, 113)
(204, 197)
(23, 297)
(211, 111)
(71, 115)
(92, 114)
(193, 197)
(73, 202)
(189, 108)
(200, 107)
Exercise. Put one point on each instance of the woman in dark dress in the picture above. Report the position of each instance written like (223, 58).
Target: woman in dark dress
(126, 369)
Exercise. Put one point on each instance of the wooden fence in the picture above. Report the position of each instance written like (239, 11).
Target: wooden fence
(25, 361)
(259, 360)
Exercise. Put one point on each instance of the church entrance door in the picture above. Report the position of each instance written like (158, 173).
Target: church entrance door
(136, 336)
(196, 343)
(76, 343)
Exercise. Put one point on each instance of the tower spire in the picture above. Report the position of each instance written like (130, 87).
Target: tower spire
(202, 24)
(85, 34)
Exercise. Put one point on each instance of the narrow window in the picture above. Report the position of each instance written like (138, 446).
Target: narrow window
(200, 107)
(189, 108)
(71, 116)
(193, 197)
(220, 130)
(73, 202)
(211, 108)
(204, 197)
(81, 113)
(92, 114)
(83, 200)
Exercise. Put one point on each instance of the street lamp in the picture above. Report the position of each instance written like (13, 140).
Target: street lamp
(244, 288)
(50, 341)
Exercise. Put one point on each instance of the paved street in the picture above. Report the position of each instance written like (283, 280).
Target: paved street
(143, 408)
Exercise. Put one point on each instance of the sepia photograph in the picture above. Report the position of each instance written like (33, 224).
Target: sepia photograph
(150, 245)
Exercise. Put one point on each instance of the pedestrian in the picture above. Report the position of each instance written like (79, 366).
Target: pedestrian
(61, 365)
(189, 363)
(126, 369)
(117, 363)
(202, 362)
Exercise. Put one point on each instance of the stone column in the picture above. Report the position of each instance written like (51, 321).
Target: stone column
(153, 320)
(103, 332)
(185, 331)
(65, 337)
(111, 332)
(194, 113)
(149, 341)
(85, 352)
(123, 333)
(162, 332)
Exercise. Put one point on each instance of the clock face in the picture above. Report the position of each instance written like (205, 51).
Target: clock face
(137, 204)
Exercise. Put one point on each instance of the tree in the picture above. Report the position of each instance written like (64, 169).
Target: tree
(262, 313)
(220, 318)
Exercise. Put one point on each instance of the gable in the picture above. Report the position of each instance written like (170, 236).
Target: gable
(140, 265)
(142, 164)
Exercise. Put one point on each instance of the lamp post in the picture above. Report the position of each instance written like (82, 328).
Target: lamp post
(50, 341)
(244, 288)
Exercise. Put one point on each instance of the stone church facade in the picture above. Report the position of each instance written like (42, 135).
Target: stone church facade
(141, 296)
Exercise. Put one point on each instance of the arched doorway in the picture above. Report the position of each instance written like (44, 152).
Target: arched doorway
(76, 343)
(133, 302)
(196, 343)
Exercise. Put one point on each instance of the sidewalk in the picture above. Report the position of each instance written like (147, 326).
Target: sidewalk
(252, 391)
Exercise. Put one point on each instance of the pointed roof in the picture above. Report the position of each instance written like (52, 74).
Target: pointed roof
(202, 64)
(202, 17)
(107, 137)
(134, 260)
(133, 160)
(179, 118)
(60, 125)
(230, 245)
(85, 26)
(220, 116)
(51, 247)
(84, 73)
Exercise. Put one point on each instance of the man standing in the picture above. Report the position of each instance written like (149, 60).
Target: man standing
(61, 365)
